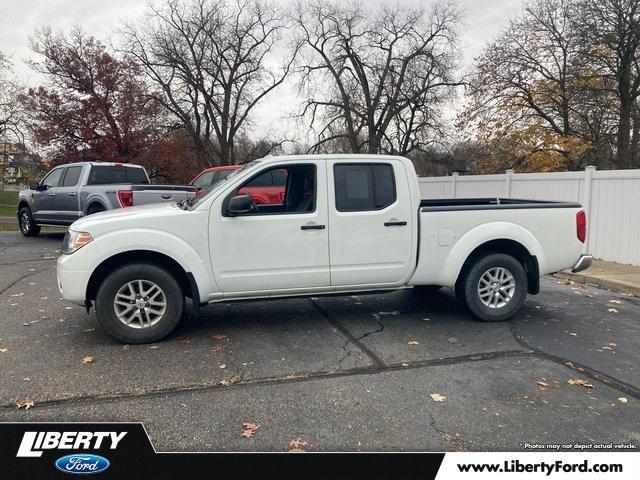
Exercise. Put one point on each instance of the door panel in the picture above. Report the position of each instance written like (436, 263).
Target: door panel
(66, 201)
(44, 200)
(371, 240)
(271, 251)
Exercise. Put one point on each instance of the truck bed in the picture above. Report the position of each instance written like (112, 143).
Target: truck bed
(490, 203)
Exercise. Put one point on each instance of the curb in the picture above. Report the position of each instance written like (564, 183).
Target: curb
(619, 286)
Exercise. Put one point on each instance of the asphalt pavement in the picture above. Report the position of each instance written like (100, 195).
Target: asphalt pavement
(348, 373)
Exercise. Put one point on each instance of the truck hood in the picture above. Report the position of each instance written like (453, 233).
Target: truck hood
(159, 216)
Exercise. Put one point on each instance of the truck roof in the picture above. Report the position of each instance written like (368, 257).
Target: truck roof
(333, 156)
(108, 164)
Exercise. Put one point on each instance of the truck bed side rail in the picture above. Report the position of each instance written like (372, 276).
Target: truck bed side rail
(492, 203)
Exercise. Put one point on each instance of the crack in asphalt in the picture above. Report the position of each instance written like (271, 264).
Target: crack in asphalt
(277, 379)
(18, 280)
(41, 259)
(592, 373)
(350, 337)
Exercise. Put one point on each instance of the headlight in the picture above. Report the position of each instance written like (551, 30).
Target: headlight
(74, 241)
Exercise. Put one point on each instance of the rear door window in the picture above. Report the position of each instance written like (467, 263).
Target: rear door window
(72, 176)
(363, 186)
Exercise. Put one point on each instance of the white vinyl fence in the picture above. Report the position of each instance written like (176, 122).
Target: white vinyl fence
(611, 199)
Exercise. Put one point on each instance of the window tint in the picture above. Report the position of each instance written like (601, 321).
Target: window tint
(271, 178)
(53, 179)
(205, 180)
(136, 175)
(299, 194)
(110, 174)
(364, 186)
(72, 176)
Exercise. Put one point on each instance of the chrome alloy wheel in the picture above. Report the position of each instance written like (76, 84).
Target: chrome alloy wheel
(25, 222)
(496, 287)
(140, 304)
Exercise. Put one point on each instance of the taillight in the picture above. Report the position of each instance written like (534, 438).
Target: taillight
(581, 225)
(126, 198)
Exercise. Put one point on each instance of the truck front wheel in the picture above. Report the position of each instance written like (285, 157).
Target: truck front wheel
(139, 303)
(493, 287)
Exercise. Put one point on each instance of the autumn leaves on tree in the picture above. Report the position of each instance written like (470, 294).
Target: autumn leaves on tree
(558, 88)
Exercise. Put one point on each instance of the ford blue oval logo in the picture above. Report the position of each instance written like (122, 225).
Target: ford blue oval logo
(82, 463)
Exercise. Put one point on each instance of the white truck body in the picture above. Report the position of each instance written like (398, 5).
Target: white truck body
(408, 242)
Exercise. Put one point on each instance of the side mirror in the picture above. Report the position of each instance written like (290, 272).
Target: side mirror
(240, 204)
(34, 186)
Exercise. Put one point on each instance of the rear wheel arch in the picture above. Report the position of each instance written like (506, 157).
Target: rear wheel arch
(139, 256)
(508, 247)
(94, 206)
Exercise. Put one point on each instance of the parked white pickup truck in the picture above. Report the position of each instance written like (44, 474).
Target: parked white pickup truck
(349, 223)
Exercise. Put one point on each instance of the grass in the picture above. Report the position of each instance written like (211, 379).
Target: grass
(9, 198)
(7, 210)
(8, 204)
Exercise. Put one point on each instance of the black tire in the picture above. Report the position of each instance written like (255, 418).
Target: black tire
(171, 293)
(95, 208)
(28, 226)
(468, 288)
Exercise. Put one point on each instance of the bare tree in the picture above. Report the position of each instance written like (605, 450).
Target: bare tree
(11, 111)
(212, 62)
(364, 69)
(522, 94)
(610, 39)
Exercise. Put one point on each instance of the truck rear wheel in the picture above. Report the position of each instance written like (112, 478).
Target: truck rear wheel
(139, 303)
(494, 287)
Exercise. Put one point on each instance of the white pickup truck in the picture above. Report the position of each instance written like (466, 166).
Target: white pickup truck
(348, 223)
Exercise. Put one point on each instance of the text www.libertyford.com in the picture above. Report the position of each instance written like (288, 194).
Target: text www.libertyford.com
(516, 466)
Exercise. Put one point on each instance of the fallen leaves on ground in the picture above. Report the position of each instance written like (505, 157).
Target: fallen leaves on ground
(219, 337)
(248, 429)
(226, 382)
(298, 445)
(612, 310)
(87, 360)
(582, 383)
(404, 364)
(217, 349)
(543, 385)
(3, 350)
(26, 405)
(18, 294)
(222, 365)
(622, 400)
(413, 342)
(436, 397)
(617, 302)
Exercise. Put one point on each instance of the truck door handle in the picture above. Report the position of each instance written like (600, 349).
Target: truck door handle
(165, 196)
(72, 194)
(395, 224)
(312, 227)
(52, 194)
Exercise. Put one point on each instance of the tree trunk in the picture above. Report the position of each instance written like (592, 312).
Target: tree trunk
(624, 132)
(635, 132)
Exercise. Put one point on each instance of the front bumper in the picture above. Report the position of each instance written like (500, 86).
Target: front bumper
(583, 263)
(72, 281)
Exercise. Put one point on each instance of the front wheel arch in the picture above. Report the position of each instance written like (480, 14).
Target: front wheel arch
(136, 256)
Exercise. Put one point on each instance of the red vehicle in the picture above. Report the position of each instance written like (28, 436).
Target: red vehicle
(267, 189)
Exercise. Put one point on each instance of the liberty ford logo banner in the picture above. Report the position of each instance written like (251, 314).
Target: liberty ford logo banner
(33, 443)
(81, 464)
(124, 450)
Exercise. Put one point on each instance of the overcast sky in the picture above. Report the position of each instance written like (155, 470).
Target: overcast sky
(484, 19)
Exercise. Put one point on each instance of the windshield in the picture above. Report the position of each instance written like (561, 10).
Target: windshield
(204, 194)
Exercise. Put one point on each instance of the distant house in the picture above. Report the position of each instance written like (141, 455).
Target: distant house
(17, 163)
